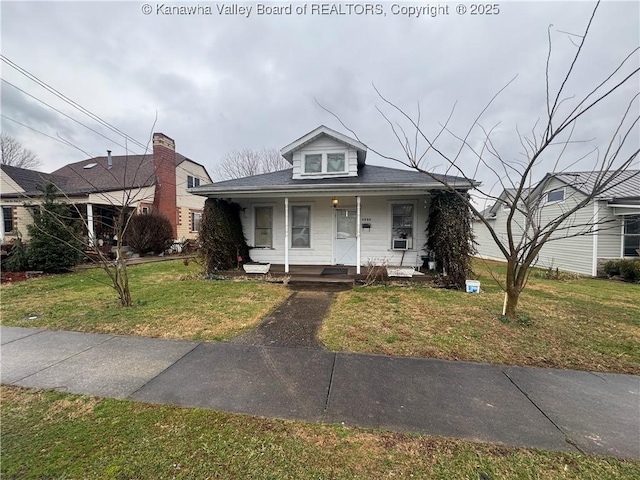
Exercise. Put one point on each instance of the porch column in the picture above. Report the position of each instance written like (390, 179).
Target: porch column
(90, 230)
(358, 250)
(286, 235)
(2, 225)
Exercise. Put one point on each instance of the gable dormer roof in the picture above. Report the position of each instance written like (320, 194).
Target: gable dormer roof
(287, 151)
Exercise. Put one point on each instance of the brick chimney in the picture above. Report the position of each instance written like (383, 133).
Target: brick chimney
(164, 156)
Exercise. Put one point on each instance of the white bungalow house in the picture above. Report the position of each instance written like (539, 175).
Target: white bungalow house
(608, 227)
(331, 208)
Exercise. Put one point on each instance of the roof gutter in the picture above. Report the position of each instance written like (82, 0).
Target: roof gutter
(325, 188)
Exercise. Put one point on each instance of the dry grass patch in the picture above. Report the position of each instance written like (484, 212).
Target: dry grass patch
(170, 301)
(580, 323)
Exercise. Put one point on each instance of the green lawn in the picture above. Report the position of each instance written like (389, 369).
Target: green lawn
(170, 300)
(581, 323)
(56, 435)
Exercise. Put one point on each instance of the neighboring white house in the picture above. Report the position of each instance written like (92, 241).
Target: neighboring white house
(331, 208)
(608, 227)
(98, 185)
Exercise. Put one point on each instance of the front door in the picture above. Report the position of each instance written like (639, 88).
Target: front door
(345, 237)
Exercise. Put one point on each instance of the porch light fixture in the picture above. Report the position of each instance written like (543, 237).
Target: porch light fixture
(334, 202)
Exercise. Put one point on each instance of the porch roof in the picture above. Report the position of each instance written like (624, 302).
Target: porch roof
(370, 178)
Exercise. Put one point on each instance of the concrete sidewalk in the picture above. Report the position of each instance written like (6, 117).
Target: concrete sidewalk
(526, 407)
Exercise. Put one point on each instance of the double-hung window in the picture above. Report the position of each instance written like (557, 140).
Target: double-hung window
(7, 215)
(263, 233)
(301, 226)
(631, 240)
(196, 218)
(192, 181)
(402, 223)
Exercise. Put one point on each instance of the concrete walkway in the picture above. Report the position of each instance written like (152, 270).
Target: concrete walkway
(527, 407)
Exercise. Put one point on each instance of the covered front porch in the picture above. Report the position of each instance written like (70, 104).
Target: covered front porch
(330, 229)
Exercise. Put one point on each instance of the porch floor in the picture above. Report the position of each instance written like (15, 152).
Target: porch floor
(313, 274)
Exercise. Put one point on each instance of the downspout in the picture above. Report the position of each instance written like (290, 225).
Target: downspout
(594, 255)
(286, 235)
(358, 247)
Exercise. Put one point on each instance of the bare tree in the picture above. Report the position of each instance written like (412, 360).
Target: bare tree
(123, 202)
(529, 225)
(247, 162)
(15, 155)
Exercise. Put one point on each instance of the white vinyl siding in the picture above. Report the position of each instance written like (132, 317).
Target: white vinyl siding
(609, 228)
(375, 241)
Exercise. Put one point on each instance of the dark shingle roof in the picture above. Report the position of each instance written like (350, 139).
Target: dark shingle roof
(30, 180)
(132, 171)
(368, 175)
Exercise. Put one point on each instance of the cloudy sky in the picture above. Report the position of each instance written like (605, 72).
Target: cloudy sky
(219, 81)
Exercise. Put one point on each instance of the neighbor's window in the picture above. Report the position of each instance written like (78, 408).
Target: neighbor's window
(631, 235)
(263, 236)
(144, 210)
(301, 227)
(7, 214)
(402, 223)
(335, 162)
(313, 163)
(192, 181)
(555, 195)
(196, 218)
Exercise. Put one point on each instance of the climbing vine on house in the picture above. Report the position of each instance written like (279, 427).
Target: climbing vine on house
(222, 242)
(449, 236)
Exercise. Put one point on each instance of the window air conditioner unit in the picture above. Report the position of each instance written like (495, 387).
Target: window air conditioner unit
(401, 244)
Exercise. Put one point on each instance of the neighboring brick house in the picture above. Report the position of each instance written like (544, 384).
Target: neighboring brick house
(157, 181)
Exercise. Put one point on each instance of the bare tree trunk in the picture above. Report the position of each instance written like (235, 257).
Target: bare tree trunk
(513, 295)
(512, 289)
(121, 276)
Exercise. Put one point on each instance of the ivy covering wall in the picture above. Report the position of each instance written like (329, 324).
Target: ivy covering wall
(449, 236)
(222, 242)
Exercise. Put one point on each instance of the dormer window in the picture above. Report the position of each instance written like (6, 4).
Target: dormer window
(318, 163)
(313, 163)
(335, 162)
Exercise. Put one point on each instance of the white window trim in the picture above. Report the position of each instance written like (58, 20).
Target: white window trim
(324, 161)
(193, 223)
(554, 202)
(195, 179)
(253, 224)
(415, 223)
(624, 235)
(311, 224)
